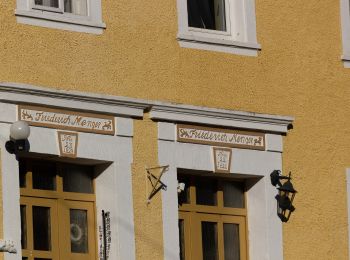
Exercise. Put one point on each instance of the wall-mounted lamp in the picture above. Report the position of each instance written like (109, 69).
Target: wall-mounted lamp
(19, 133)
(285, 196)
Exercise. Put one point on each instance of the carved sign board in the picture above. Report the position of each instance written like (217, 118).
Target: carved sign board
(222, 159)
(67, 120)
(68, 143)
(220, 137)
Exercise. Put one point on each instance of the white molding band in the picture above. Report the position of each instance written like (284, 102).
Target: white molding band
(132, 107)
(119, 106)
(220, 117)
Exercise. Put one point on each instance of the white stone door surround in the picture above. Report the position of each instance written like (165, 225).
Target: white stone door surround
(264, 227)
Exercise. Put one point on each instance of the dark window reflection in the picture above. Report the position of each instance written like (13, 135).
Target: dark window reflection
(233, 194)
(206, 191)
(207, 14)
(41, 228)
(231, 241)
(44, 176)
(209, 240)
(23, 227)
(77, 178)
(182, 239)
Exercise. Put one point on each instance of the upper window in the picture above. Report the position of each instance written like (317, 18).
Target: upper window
(221, 25)
(74, 15)
(78, 7)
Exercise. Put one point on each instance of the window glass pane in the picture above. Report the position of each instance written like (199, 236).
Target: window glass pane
(77, 178)
(184, 196)
(23, 227)
(209, 240)
(41, 228)
(206, 190)
(231, 241)
(48, 3)
(182, 239)
(233, 194)
(44, 176)
(78, 231)
(207, 14)
(78, 7)
(22, 174)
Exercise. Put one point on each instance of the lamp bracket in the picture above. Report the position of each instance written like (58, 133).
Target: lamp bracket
(155, 180)
(276, 177)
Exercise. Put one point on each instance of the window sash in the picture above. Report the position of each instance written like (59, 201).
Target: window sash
(59, 9)
(208, 32)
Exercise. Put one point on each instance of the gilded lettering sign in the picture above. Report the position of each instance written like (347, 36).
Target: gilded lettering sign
(68, 120)
(220, 137)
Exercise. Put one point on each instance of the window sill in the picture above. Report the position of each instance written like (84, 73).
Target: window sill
(59, 22)
(220, 45)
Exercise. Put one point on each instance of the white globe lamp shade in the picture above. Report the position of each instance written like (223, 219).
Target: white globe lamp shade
(19, 130)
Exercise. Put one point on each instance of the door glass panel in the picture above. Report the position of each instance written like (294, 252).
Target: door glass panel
(44, 176)
(231, 241)
(184, 196)
(23, 227)
(233, 194)
(22, 174)
(206, 191)
(41, 228)
(48, 3)
(209, 240)
(79, 231)
(77, 178)
(182, 239)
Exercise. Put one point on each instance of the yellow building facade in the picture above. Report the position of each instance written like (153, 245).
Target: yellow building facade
(131, 86)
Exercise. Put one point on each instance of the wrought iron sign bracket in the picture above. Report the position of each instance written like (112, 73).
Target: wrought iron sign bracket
(155, 181)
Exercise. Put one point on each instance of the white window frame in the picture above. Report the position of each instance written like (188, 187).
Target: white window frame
(29, 13)
(239, 37)
(345, 26)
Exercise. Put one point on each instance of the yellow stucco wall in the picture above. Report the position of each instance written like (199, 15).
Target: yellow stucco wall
(297, 73)
(147, 216)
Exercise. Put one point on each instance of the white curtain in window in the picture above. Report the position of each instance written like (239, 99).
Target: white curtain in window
(78, 7)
